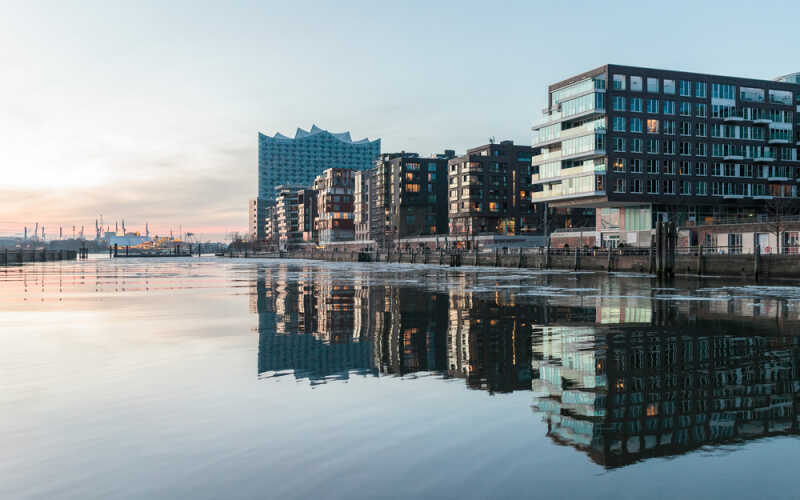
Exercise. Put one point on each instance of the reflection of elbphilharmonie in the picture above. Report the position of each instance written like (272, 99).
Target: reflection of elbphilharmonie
(618, 376)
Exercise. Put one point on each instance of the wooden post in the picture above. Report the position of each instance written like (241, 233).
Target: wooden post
(700, 261)
(577, 258)
(608, 265)
(756, 259)
(521, 258)
(547, 257)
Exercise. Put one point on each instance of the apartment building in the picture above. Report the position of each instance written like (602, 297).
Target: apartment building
(489, 191)
(307, 214)
(335, 188)
(361, 208)
(640, 144)
(286, 216)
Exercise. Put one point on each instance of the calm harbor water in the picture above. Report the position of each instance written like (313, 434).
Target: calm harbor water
(227, 378)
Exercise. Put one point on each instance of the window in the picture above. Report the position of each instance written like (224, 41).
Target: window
(686, 128)
(700, 89)
(669, 167)
(652, 126)
(652, 146)
(618, 82)
(685, 88)
(700, 110)
(636, 185)
(619, 144)
(636, 104)
(636, 125)
(669, 186)
(700, 129)
(652, 85)
(619, 103)
(669, 87)
(701, 188)
(636, 83)
(619, 186)
(685, 188)
(669, 107)
(652, 105)
(652, 186)
(669, 127)
(723, 91)
(780, 97)
(636, 146)
(619, 165)
(701, 149)
(685, 168)
(685, 108)
(619, 124)
(701, 168)
(636, 166)
(669, 147)
(652, 167)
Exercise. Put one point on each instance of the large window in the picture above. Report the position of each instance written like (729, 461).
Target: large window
(669, 107)
(619, 103)
(636, 124)
(722, 91)
(700, 89)
(652, 105)
(652, 85)
(780, 97)
(652, 126)
(636, 104)
(669, 87)
(582, 104)
(618, 82)
(636, 83)
(619, 124)
(685, 88)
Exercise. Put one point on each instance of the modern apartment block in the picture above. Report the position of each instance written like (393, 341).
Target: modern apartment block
(334, 189)
(410, 198)
(297, 161)
(489, 191)
(307, 214)
(286, 216)
(255, 219)
(271, 234)
(362, 199)
(641, 144)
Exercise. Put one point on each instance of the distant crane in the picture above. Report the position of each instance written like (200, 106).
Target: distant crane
(36, 232)
(44, 236)
(25, 237)
(60, 233)
(81, 232)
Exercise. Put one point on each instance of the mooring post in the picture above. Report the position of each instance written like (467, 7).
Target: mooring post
(521, 258)
(608, 265)
(547, 257)
(577, 257)
(700, 261)
(756, 259)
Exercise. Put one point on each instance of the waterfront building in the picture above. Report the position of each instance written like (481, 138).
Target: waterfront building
(411, 196)
(489, 191)
(642, 144)
(271, 234)
(297, 161)
(256, 218)
(286, 216)
(334, 222)
(362, 199)
(307, 214)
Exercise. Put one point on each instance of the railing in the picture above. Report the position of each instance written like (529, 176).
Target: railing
(759, 219)
(574, 230)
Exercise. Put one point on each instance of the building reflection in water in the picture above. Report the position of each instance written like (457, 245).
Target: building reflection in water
(620, 377)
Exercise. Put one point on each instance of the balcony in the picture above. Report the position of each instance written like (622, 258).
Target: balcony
(571, 172)
(778, 141)
(733, 157)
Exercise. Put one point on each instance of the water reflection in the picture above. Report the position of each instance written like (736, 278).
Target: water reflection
(619, 374)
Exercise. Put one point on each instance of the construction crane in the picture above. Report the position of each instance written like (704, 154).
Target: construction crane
(36, 232)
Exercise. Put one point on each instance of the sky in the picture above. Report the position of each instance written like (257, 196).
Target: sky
(149, 111)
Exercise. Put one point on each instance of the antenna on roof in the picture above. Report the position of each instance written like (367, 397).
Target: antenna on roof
(491, 140)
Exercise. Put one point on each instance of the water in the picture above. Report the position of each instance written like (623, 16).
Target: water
(226, 378)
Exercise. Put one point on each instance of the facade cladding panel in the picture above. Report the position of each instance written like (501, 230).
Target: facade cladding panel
(297, 161)
(652, 143)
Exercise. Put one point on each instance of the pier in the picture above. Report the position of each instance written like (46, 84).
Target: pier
(18, 256)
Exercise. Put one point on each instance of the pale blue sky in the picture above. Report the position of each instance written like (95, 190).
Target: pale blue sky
(150, 111)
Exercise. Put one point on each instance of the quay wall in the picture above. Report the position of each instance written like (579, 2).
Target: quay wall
(747, 266)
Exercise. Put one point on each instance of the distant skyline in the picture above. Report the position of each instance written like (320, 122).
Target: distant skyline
(151, 111)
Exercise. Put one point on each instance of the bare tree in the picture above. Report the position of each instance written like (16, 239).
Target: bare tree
(780, 210)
